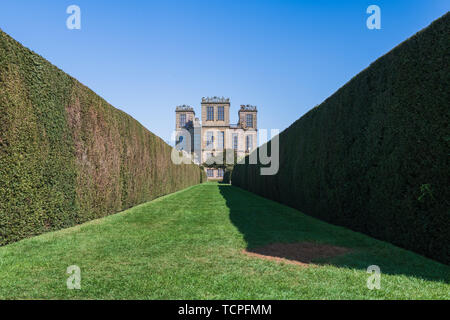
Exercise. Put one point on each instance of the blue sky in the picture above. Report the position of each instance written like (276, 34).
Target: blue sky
(146, 57)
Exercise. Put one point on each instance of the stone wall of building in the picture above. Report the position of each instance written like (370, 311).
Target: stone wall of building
(215, 126)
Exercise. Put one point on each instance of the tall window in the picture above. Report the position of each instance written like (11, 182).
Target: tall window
(197, 140)
(249, 120)
(220, 140)
(220, 114)
(249, 143)
(182, 120)
(210, 173)
(180, 145)
(220, 172)
(210, 113)
(235, 141)
(209, 140)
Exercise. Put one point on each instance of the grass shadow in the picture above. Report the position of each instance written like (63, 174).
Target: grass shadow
(264, 222)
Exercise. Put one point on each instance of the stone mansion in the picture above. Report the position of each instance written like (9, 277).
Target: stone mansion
(214, 134)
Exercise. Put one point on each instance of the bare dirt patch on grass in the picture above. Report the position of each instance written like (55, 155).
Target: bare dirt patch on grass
(300, 253)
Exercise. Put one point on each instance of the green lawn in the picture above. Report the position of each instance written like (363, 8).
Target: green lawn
(188, 245)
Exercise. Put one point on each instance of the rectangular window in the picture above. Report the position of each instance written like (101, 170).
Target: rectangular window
(210, 173)
(197, 140)
(209, 140)
(180, 144)
(210, 113)
(220, 114)
(249, 143)
(249, 121)
(220, 140)
(182, 120)
(220, 172)
(235, 141)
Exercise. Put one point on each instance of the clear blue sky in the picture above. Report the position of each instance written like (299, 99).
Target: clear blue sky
(146, 57)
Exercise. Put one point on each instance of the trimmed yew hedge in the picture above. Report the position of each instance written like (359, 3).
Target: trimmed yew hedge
(66, 155)
(374, 156)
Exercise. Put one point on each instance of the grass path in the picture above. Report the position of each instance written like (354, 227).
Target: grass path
(188, 245)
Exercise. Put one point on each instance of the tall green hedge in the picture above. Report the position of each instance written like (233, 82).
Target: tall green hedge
(66, 155)
(374, 156)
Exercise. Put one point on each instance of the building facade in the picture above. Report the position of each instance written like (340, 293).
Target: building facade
(207, 140)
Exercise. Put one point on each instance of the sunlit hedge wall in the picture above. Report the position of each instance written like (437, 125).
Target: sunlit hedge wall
(374, 156)
(66, 155)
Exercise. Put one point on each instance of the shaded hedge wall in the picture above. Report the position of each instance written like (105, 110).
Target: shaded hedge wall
(66, 155)
(374, 156)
